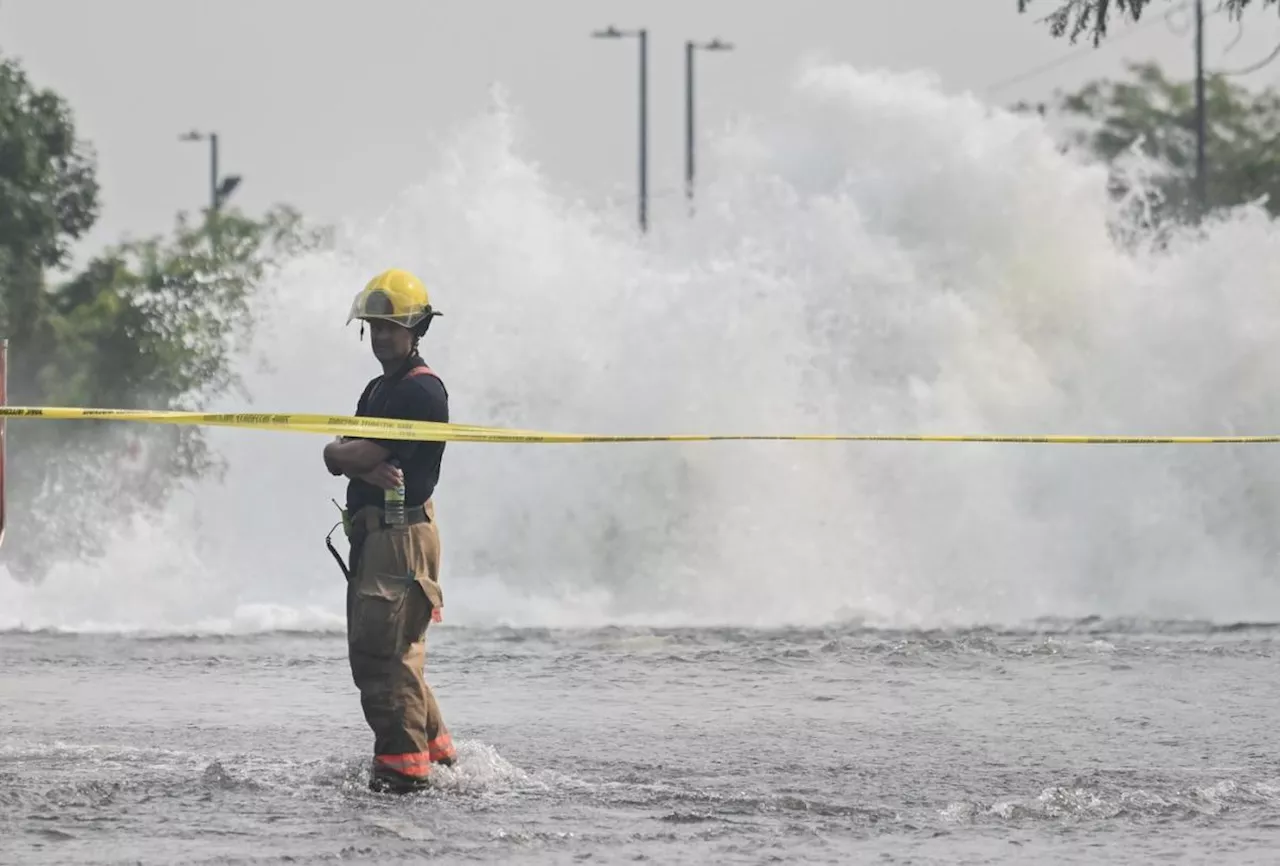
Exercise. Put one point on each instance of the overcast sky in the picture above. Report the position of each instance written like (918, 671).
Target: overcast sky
(333, 106)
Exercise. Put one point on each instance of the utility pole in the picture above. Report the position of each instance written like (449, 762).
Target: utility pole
(690, 47)
(1202, 197)
(220, 188)
(644, 130)
(643, 35)
(213, 171)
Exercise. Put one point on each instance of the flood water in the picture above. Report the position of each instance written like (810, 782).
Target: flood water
(1084, 742)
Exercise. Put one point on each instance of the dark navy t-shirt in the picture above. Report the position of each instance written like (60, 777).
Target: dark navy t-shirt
(413, 394)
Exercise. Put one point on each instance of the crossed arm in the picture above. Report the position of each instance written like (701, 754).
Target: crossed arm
(362, 459)
(367, 459)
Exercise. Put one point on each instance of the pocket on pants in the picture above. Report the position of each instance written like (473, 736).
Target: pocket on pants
(379, 610)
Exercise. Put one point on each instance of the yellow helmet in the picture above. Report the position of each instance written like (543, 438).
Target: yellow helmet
(395, 295)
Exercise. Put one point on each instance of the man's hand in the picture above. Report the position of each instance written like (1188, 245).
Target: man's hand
(383, 475)
(353, 457)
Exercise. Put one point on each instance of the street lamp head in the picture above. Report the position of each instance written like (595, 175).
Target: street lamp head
(609, 32)
(228, 185)
(193, 135)
(718, 45)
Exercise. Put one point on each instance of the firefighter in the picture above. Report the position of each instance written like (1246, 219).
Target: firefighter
(393, 573)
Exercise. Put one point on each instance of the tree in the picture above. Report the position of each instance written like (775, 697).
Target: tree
(48, 195)
(149, 324)
(1157, 115)
(1093, 16)
(146, 324)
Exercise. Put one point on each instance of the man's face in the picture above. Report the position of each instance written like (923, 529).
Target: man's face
(391, 343)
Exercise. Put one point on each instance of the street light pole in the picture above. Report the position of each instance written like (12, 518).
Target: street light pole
(690, 47)
(220, 188)
(213, 171)
(1202, 192)
(643, 35)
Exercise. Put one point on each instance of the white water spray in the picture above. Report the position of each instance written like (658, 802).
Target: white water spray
(881, 258)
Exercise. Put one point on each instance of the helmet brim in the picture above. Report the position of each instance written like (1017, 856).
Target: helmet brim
(410, 321)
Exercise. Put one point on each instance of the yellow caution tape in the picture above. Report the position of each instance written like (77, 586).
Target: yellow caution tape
(426, 431)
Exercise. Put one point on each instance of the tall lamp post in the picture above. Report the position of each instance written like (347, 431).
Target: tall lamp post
(1202, 190)
(643, 35)
(690, 48)
(220, 188)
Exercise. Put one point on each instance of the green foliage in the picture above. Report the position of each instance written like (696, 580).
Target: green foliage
(48, 195)
(1242, 141)
(150, 324)
(1074, 17)
(157, 322)
(147, 324)
(48, 198)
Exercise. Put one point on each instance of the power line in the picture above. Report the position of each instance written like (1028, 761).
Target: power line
(1239, 36)
(1270, 58)
(1089, 49)
(1073, 56)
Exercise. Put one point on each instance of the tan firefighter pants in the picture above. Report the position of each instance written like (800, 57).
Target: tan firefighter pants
(393, 593)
